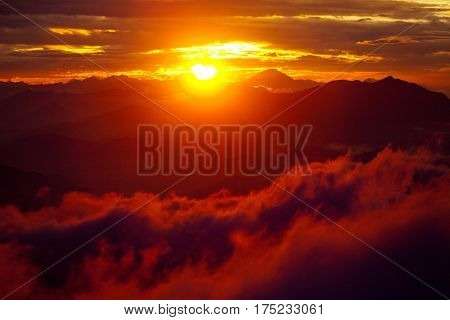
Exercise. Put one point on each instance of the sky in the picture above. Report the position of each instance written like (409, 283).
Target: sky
(57, 40)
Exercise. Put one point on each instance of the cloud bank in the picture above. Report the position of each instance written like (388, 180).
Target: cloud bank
(265, 244)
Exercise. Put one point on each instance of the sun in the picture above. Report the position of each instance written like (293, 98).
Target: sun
(204, 78)
(203, 72)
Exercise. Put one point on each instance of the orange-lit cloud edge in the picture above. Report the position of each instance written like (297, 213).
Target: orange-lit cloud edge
(230, 56)
(167, 47)
(234, 60)
(261, 245)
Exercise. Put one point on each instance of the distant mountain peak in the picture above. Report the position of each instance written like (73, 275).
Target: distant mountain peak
(273, 73)
(388, 78)
(385, 79)
(276, 80)
(370, 80)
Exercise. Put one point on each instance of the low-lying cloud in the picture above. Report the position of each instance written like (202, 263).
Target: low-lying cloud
(265, 244)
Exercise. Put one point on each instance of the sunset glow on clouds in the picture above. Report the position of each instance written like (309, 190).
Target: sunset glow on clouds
(314, 39)
(104, 195)
(264, 244)
(262, 52)
(62, 48)
(82, 32)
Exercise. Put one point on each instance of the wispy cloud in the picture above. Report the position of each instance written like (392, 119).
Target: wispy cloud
(260, 51)
(79, 49)
(389, 40)
(79, 32)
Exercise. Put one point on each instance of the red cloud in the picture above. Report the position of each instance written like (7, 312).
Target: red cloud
(265, 244)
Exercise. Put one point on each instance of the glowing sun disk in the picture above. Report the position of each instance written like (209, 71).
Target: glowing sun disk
(202, 72)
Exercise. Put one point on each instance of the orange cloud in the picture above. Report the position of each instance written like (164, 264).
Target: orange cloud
(79, 32)
(78, 49)
(260, 51)
(389, 40)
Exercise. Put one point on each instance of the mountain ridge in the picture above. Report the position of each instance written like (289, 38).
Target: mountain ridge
(272, 80)
(95, 133)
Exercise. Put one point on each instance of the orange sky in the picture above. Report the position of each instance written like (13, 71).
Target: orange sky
(317, 39)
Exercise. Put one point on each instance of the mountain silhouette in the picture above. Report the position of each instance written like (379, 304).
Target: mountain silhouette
(8, 89)
(278, 81)
(89, 138)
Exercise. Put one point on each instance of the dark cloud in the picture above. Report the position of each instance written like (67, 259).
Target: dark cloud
(261, 245)
(134, 8)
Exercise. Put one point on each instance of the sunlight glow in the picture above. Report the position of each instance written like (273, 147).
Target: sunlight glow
(202, 72)
(257, 51)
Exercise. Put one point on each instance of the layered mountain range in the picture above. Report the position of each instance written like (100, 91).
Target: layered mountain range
(84, 131)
